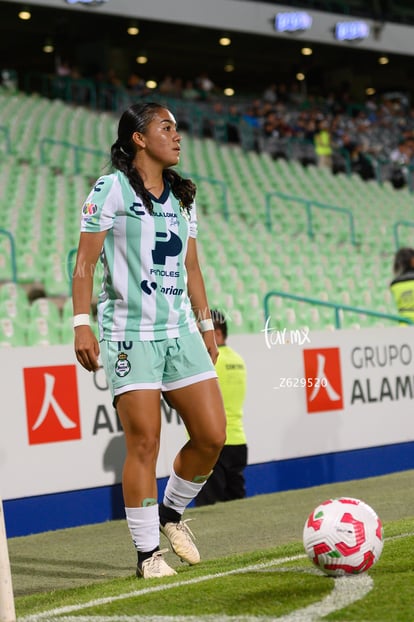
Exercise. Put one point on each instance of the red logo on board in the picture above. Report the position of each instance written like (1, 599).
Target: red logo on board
(52, 404)
(324, 379)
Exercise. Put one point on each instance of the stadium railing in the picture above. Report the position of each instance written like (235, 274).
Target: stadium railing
(6, 133)
(309, 204)
(336, 308)
(397, 225)
(77, 150)
(76, 91)
(214, 182)
(12, 253)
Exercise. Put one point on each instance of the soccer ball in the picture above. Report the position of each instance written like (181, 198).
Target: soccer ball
(343, 536)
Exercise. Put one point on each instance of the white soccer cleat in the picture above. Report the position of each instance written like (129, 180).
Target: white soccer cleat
(181, 537)
(155, 567)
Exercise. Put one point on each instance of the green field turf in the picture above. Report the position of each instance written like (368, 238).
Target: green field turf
(254, 567)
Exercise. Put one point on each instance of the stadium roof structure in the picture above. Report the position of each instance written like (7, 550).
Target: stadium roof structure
(399, 11)
(95, 41)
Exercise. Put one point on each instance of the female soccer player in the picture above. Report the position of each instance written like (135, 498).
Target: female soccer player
(141, 221)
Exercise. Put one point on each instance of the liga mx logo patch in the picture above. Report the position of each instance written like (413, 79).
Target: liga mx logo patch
(324, 379)
(52, 404)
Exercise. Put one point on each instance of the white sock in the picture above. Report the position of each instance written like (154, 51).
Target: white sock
(180, 492)
(144, 527)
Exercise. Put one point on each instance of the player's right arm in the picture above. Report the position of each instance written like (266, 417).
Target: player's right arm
(86, 344)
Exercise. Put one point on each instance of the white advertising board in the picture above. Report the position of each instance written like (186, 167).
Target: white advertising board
(59, 429)
(308, 394)
(327, 391)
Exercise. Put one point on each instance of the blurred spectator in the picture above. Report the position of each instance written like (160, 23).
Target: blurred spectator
(136, 85)
(251, 115)
(205, 85)
(270, 94)
(402, 286)
(215, 123)
(189, 92)
(62, 68)
(323, 145)
(178, 87)
(400, 158)
(355, 157)
(109, 87)
(233, 125)
(166, 86)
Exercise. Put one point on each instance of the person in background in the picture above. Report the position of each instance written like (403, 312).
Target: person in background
(402, 286)
(323, 146)
(140, 220)
(227, 481)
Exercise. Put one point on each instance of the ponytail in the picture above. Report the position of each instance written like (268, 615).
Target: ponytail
(122, 158)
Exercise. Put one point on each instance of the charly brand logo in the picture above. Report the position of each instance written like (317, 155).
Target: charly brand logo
(52, 410)
(323, 365)
(284, 336)
(135, 207)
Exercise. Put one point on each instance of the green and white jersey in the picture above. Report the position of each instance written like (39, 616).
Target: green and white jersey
(144, 287)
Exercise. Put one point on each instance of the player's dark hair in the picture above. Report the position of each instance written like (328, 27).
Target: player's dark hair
(403, 260)
(136, 119)
(219, 321)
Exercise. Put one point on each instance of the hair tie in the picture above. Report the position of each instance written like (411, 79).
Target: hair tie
(123, 151)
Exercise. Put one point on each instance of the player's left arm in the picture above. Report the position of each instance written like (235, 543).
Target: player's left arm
(198, 296)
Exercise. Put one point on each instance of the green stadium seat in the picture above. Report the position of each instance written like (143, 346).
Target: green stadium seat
(15, 309)
(44, 307)
(13, 291)
(43, 332)
(66, 330)
(12, 333)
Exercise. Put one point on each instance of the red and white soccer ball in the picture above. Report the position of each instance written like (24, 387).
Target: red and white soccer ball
(343, 536)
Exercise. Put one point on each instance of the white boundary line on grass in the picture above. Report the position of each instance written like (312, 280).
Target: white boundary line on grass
(347, 590)
(156, 588)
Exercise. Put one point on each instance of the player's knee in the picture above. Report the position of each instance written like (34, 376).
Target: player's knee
(144, 449)
(215, 442)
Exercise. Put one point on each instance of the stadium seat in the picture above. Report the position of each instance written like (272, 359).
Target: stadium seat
(13, 291)
(66, 329)
(44, 307)
(43, 332)
(67, 309)
(15, 309)
(12, 333)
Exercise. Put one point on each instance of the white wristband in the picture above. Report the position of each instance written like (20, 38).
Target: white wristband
(81, 319)
(206, 325)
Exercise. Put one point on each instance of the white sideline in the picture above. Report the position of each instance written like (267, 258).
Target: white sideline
(347, 590)
(44, 615)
